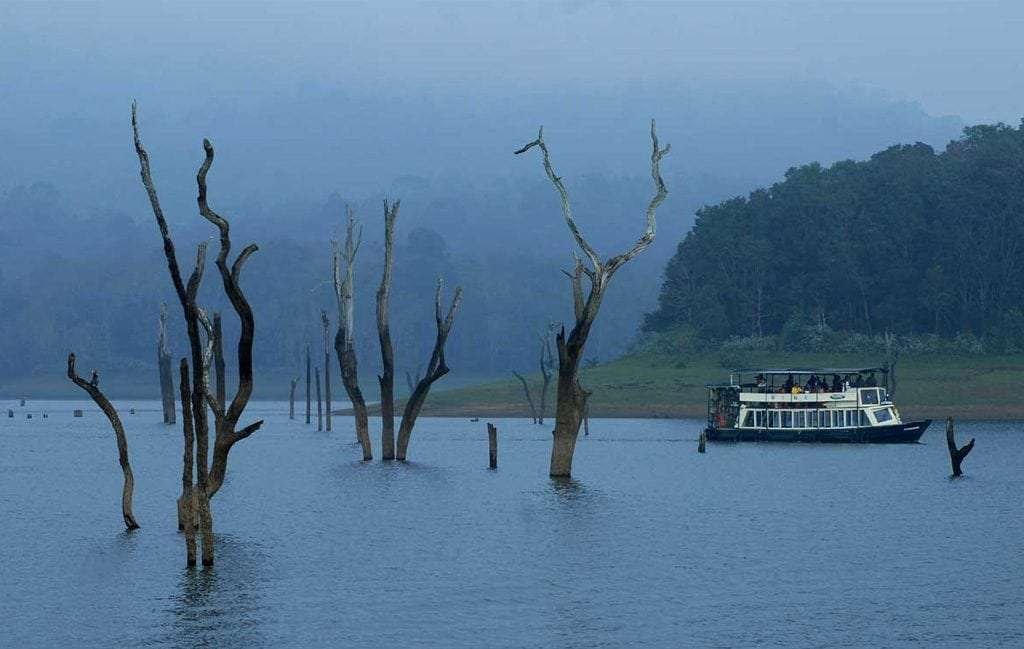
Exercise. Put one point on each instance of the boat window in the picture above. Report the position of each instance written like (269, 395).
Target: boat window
(812, 419)
(759, 418)
(773, 419)
(799, 419)
(864, 418)
(869, 396)
(883, 415)
(787, 418)
(849, 417)
(825, 418)
(748, 419)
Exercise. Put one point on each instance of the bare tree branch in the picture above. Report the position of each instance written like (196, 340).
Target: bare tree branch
(529, 397)
(659, 197)
(92, 387)
(228, 421)
(563, 194)
(344, 339)
(956, 455)
(436, 369)
(387, 376)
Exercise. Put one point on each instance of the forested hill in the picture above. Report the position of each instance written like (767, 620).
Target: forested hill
(911, 242)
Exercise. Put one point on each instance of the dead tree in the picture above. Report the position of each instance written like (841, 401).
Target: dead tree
(92, 387)
(892, 355)
(956, 455)
(387, 353)
(571, 397)
(529, 397)
(291, 399)
(327, 367)
(319, 403)
(435, 369)
(344, 339)
(492, 446)
(412, 379)
(309, 377)
(209, 474)
(218, 358)
(186, 504)
(547, 370)
(163, 355)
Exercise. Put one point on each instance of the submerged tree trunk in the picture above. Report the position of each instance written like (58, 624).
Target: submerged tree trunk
(547, 370)
(327, 369)
(956, 455)
(218, 358)
(209, 476)
(492, 446)
(291, 400)
(92, 388)
(186, 504)
(435, 370)
(529, 397)
(572, 398)
(309, 378)
(163, 353)
(344, 339)
(319, 403)
(387, 354)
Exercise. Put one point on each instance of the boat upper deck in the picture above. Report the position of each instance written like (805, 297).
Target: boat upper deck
(839, 387)
(844, 399)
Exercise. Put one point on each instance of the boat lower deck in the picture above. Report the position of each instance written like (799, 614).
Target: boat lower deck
(907, 433)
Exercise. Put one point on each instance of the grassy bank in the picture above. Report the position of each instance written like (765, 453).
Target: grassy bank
(969, 387)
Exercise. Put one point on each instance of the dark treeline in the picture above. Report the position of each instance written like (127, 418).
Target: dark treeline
(910, 242)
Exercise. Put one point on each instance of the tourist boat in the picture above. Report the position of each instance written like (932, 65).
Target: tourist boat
(807, 405)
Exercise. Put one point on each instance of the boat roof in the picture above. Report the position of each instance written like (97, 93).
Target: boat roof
(808, 370)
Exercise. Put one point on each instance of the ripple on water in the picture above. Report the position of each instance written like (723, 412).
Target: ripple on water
(650, 544)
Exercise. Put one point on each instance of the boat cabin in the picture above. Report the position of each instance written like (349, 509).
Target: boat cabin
(802, 398)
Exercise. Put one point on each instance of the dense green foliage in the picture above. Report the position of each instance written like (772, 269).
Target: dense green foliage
(911, 242)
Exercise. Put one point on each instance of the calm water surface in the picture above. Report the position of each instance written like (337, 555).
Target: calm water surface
(651, 545)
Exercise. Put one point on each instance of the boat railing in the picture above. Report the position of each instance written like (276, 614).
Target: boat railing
(849, 396)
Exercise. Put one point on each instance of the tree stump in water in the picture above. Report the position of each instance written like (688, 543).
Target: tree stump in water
(291, 400)
(702, 441)
(492, 445)
(309, 375)
(956, 455)
(319, 403)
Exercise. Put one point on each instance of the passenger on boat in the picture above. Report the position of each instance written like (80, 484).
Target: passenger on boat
(796, 389)
(857, 382)
(871, 381)
(788, 385)
(837, 384)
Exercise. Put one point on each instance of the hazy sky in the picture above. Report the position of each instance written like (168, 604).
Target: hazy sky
(307, 99)
(961, 58)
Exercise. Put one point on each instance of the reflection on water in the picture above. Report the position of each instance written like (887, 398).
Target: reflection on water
(650, 545)
(219, 606)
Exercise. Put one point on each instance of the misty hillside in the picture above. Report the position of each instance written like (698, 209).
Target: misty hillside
(83, 268)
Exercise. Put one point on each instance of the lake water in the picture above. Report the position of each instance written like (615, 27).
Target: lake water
(651, 545)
